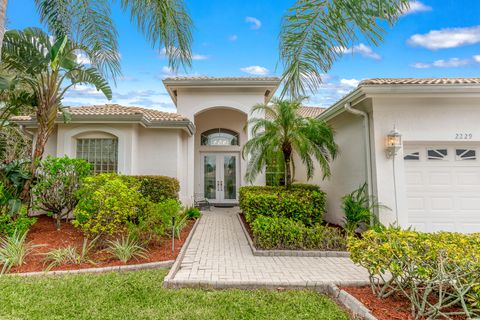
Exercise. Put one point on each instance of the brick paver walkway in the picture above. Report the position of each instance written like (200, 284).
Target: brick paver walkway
(219, 255)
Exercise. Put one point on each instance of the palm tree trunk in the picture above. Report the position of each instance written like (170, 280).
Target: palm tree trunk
(288, 170)
(3, 18)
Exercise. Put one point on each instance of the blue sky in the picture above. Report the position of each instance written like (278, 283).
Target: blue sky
(438, 38)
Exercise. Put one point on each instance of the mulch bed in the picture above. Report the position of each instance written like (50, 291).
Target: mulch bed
(44, 233)
(394, 307)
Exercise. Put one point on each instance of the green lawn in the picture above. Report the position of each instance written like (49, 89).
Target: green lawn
(139, 295)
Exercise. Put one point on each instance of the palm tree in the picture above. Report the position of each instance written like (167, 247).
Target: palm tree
(3, 17)
(88, 22)
(315, 33)
(48, 68)
(281, 134)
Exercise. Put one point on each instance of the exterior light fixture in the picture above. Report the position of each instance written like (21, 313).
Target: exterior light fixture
(393, 143)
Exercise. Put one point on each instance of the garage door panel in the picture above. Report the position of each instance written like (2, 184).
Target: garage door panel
(416, 203)
(469, 203)
(443, 194)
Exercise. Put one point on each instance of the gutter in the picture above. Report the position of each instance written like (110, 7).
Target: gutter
(366, 126)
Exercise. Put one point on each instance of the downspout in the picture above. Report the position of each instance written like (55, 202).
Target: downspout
(366, 127)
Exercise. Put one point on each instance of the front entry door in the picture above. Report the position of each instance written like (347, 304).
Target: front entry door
(220, 177)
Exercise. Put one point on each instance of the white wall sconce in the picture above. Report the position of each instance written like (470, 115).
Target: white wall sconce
(393, 143)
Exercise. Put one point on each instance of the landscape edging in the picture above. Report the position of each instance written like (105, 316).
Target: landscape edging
(176, 265)
(349, 302)
(131, 267)
(289, 253)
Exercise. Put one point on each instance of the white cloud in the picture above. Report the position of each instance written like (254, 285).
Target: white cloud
(199, 57)
(446, 38)
(254, 23)
(476, 58)
(442, 63)
(421, 65)
(233, 37)
(81, 95)
(415, 7)
(362, 49)
(255, 70)
(195, 56)
(331, 90)
(349, 82)
(450, 63)
(82, 58)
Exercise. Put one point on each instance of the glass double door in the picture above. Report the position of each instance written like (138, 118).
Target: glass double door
(220, 173)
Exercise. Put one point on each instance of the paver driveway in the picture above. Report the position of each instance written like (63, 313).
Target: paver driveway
(219, 256)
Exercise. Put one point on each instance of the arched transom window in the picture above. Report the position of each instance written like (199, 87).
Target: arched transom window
(219, 137)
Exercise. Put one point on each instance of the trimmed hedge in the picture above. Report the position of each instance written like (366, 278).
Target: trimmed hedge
(432, 270)
(284, 233)
(158, 188)
(304, 203)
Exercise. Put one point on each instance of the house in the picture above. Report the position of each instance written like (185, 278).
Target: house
(433, 181)
(415, 142)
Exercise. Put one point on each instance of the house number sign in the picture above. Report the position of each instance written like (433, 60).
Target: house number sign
(463, 136)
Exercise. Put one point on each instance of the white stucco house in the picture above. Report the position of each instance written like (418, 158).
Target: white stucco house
(431, 183)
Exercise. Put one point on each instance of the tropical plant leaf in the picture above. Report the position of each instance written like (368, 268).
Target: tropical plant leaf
(315, 33)
(165, 23)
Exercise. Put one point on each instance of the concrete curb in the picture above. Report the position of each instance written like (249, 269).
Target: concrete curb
(132, 267)
(176, 265)
(351, 303)
(289, 253)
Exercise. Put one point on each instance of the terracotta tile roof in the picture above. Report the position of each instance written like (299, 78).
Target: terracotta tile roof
(149, 115)
(310, 112)
(180, 78)
(418, 81)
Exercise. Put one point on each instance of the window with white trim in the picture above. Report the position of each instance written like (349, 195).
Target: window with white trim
(465, 154)
(219, 137)
(412, 156)
(437, 154)
(101, 153)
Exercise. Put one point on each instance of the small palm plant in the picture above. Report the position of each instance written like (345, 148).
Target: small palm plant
(48, 68)
(281, 134)
(126, 248)
(359, 208)
(13, 250)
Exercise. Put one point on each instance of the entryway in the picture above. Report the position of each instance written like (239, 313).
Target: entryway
(221, 178)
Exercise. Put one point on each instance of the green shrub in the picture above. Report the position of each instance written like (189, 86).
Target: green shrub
(433, 270)
(192, 213)
(22, 223)
(284, 233)
(59, 180)
(158, 188)
(358, 208)
(304, 203)
(154, 219)
(107, 204)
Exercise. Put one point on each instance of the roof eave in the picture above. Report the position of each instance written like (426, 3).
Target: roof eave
(270, 85)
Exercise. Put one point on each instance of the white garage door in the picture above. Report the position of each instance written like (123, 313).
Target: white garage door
(443, 187)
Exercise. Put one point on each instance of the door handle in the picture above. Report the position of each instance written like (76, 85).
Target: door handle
(218, 185)
(221, 185)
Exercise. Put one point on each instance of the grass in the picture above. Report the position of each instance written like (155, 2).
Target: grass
(139, 295)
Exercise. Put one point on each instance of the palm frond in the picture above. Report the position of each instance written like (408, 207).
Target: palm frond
(90, 76)
(88, 23)
(164, 23)
(315, 33)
